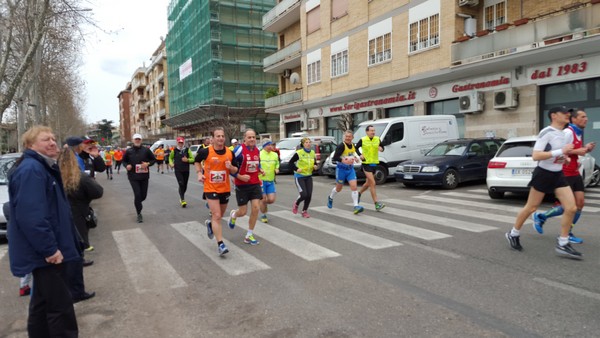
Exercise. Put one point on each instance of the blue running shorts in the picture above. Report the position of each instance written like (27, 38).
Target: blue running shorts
(342, 175)
(268, 187)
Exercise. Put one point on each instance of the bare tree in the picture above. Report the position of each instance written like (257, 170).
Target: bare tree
(345, 122)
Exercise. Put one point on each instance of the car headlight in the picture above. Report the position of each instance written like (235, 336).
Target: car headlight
(400, 168)
(430, 169)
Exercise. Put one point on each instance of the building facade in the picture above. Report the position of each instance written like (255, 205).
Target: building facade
(157, 91)
(125, 115)
(215, 51)
(498, 65)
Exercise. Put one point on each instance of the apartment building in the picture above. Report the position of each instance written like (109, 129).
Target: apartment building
(157, 93)
(498, 65)
(125, 118)
(215, 78)
(140, 105)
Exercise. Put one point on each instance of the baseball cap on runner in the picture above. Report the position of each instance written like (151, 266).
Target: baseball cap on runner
(180, 139)
(137, 136)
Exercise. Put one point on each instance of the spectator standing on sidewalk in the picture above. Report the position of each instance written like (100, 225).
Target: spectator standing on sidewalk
(180, 159)
(137, 161)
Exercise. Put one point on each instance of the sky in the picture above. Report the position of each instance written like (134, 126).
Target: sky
(128, 33)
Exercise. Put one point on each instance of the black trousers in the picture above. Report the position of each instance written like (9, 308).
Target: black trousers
(305, 188)
(140, 191)
(51, 312)
(182, 180)
(74, 270)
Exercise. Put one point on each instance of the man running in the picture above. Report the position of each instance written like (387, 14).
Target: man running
(108, 161)
(180, 159)
(345, 156)
(573, 135)
(137, 160)
(118, 156)
(551, 151)
(219, 163)
(159, 153)
(269, 162)
(247, 184)
(371, 146)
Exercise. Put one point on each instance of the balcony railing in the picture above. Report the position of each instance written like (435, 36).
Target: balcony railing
(286, 58)
(162, 112)
(571, 25)
(285, 98)
(282, 15)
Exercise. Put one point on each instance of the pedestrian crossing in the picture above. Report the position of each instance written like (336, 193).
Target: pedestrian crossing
(3, 251)
(412, 221)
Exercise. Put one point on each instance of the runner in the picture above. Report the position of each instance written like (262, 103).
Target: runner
(548, 178)
(108, 161)
(345, 156)
(219, 163)
(136, 160)
(269, 162)
(159, 153)
(118, 156)
(370, 146)
(180, 159)
(303, 164)
(247, 184)
(574, 135)
(234, 143)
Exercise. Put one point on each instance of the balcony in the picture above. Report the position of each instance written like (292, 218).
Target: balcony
(162, 112)
(283, 99)
(283, 15)
(569, 26)
(287, 58)
(161, 94)
(138, 83)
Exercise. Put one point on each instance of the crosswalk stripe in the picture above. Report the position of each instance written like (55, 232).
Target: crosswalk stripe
(505, 208)
(453, 223)
(3, 251)
(592, 194)
(292, 243)
(146, 267)
(383, 223)
(479, 191)
(349, 234)
(459, 194)
(236, 262)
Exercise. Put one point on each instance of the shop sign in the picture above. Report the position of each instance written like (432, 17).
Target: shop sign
(362, 105)
(292, 117)
(458, 88)
(559, 71)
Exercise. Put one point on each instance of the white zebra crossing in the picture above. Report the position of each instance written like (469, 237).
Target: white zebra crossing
(292, 243)
(3, 251)
(588, 202)
(505, 209)
(394, 226)
(147, 268)
(349, 234)
(236, 262)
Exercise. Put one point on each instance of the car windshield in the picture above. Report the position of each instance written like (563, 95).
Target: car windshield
(448, 149)
(516, 149)
(362, 132)
(289, 144)
(5, 165)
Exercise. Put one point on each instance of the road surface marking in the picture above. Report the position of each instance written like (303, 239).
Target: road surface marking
(147, 268)
(236, 262)
(463, 203)
(3, 251)
(566, 287)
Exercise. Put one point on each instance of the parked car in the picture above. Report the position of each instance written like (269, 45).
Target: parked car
(322, 145)
(450, 163)
(194, 148)
(510, 170)
(6, 162)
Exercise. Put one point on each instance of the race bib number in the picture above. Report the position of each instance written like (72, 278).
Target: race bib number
(252, 166)
(140, 170)
(217, 176)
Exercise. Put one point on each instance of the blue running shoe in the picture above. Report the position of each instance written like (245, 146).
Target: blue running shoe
(574, 240)
(223, 249)
(538, 222)
(209, 231)
(329, 202)
(358, 209)
(232, 219)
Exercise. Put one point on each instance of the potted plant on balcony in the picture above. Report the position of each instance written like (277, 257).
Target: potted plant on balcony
(502, 27)
(482, 32)
(462, 38)
(521, 21)
(271, 92)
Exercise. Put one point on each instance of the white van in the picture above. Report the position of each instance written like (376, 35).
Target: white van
(407, 137)
(165, 143)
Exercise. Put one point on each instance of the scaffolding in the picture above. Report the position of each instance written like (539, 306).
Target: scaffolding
(215, 52)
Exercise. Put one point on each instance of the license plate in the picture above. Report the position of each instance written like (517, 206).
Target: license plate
(408, 177)
(522, 172)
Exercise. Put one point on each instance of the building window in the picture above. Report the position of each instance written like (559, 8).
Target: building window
(339, 63)
(495, 14)
(313, 15)
(314, 72)
(339, 8)
(424, 33)
(380, 49)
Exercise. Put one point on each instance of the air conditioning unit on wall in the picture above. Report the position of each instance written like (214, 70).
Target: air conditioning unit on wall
(506, 98)
(470, 3)
(472, 102)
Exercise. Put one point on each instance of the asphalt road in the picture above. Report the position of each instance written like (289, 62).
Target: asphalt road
(433, 263)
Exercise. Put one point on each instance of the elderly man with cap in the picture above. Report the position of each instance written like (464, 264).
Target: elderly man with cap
(180, 159)
(88, 155)
(137, 161)
(234, 143)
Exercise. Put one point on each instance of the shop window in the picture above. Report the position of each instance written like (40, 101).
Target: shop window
(494, 14)
(380, 49)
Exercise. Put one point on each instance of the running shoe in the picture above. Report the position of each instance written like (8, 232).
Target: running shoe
(305, 214)
(295, 208)
(223, 249)
(25, 291)
(329, 202)
(538, 222)
(568, 251)
(89, 248)
(209, 231)
(183, 203)
(358, 209)
(513, 241)
(232, 219)
(251, 240)
(140, 219)
(264, 219)
(574, 240)
(379, 206)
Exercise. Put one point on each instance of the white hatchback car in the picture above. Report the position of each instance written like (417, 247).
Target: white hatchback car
(510, 170)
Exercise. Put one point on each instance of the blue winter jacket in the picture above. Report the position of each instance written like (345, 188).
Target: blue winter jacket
(40, 221)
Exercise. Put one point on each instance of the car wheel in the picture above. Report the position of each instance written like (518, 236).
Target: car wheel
(496, 195)
(380, 174)
(450, 179)
(595, 177)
